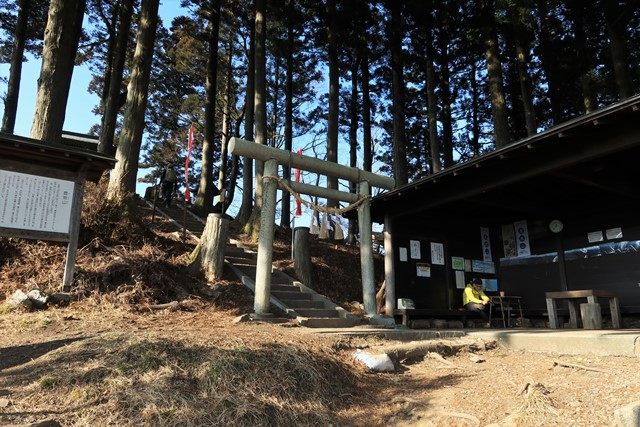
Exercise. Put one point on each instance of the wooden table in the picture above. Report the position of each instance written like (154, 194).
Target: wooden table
(572, 298)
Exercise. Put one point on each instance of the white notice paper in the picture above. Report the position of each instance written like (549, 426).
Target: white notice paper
(460, 280)
(414, 245)
(32, 202)
(595, 236)
(614, 233)
(437, 253)
(403, 254)
(423, 269)
(522, 238)
(486, 243)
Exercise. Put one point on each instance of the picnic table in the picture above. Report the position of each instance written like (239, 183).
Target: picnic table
(573, 297)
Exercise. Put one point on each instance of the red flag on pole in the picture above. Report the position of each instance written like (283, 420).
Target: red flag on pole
(298, 205)
(187, 192)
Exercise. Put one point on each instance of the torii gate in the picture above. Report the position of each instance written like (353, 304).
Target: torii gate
(272, 157)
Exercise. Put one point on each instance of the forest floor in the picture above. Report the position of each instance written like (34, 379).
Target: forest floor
(106, 359)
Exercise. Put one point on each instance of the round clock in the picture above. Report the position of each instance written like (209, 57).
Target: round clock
(556, 226)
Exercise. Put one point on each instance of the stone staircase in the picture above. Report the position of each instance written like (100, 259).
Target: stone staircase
(293, 298)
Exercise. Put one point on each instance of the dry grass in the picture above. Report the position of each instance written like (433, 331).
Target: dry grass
(121, 380)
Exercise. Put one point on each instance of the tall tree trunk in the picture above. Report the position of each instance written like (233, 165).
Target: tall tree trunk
(475, 109)
(334, 94)
(445, 94)
(397, 71)
(247, 163)
(285, 217)
(432, 102)
(110, 54)
(274, 106)
(15, 72)
(549, 63)
(616, 27)
(204, 199)
(229, 99)
(353, 141)
(494, 71)
(583, 55)
(109, 119)
(61, 39)
(522, 62)
(123, 178)
(260, 110)
(367, 158)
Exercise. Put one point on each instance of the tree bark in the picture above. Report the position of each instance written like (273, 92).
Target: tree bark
(584, 61)
(208, 256)
(302, 256)
(494, 71)
(367, 157)
(206, 191)
(549, 63)
(252, 227)
(475, 110)
(353, 141)
(109, 120)
(616, 27)
(522, 61)
(247, 163)
(334, 93)
(229, 99)
(397, 71)
(432, 102)
(445, 94)
(123, 177)
(285, 216)
(15, 72)
(61, 38)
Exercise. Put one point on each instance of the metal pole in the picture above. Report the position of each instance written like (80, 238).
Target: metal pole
(293, 235)
(184, 219)
(265, 241)
(389, 273)
(366, 253)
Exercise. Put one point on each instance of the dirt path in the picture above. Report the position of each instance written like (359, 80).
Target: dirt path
(427, 392)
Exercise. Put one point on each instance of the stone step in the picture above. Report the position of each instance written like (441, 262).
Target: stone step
(295, 304)
(327, 322)
(317, 312)
(283, 287)
(238, 252)
(284, 295)
(240, 260)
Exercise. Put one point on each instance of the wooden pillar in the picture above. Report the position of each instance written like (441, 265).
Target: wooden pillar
(265, 240)
(302, 255)
(389, 270)
(209, 255)
(366, 252)
(74, 232)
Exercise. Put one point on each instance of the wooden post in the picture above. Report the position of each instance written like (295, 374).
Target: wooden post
(553, 313)
(614, 306)
(389, 270)
(591, 316)
(302, 256)
(209, 255)
(574, 314)
(366, 252)
(74, 231)
(265, 241)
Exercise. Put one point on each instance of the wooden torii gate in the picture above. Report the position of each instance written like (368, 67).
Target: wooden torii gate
(272, 157)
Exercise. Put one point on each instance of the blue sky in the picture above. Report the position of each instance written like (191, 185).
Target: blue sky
(79, 116)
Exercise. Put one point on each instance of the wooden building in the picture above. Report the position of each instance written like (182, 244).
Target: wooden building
(555, 211)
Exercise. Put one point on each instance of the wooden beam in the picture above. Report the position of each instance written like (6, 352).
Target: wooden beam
(74, 231)
(618, 189)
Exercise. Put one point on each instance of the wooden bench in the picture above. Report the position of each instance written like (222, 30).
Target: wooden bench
(408, 313)
(572, 298)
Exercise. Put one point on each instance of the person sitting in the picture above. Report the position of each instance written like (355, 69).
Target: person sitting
(474, 298)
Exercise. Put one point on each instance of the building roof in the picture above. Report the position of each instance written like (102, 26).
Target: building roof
(54, 155)
(595, 135)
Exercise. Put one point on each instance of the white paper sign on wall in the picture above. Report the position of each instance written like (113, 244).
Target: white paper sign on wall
(437, 253)
(414, 246)
(37, 203)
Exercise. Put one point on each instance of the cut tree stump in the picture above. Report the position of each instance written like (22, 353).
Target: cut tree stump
(208, 256)
(591, 315)
(302, 256)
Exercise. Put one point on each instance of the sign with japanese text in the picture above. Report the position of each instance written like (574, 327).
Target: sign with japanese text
(37, 203)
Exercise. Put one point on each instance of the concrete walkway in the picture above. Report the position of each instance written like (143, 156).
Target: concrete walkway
(608, 342)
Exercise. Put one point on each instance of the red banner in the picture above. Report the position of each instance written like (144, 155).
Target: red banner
(298, 206)
(187, 192)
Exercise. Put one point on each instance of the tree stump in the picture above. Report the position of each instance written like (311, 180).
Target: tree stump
(302, 255)
(591, 316)
(208, 256)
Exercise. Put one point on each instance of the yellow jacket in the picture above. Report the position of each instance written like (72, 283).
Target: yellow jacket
(471, 295)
